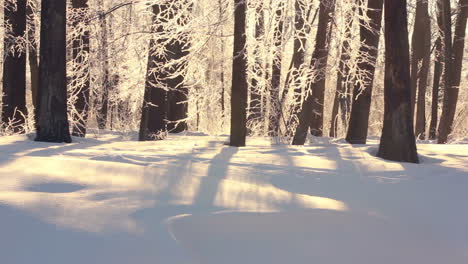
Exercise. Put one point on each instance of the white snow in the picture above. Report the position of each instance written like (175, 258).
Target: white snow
(191, 199)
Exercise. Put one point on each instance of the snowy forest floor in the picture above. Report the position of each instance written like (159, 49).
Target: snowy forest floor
(191, 199)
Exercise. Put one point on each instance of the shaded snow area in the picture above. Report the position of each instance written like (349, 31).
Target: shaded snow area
(191, 199)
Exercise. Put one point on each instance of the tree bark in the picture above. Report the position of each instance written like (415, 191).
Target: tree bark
(276, 73)
(239, 78)
(397, 141)
(81, 78)
(14, 67)
(52, 118)
(455, 60)
(311, 114)
(362, 91)
(421, 54)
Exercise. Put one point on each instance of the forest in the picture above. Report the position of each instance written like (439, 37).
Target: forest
(233, 131)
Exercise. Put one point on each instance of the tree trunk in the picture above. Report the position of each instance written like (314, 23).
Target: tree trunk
(104, 56)
(276, 73)
(32, 51)
(362, 92)
(154, 110)
(14, 67)
(421, 47)
(341, 99)
(397, 141)
(239, 78)
(81, 78)
(255, 103)
(52, 117)
(435, 89)
(311, 114)
(451, 88)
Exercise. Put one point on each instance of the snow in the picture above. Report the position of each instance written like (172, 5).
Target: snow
(191, 199)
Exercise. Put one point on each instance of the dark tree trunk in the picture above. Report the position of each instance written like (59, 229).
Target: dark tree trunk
(451, 88)
(239, 78)
(104, 107)
(14, 67)
(435, 89)
(154, 111)
(255, 103)
(311, 114)
(421, 55)
(32, 51)
(80, 46)
(52, 117)
(275, 105)
(342, 98)
(362, 92)
(397, 141)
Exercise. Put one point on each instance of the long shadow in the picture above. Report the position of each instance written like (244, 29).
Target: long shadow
(217, 172)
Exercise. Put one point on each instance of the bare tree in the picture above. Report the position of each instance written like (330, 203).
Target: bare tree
(32, 49)
(453, 66)
(397, 141)
(80, 62)
(362, 92)
(239, 78)
(311, 114)
(14, 67)
(52, 117)
(420, 63)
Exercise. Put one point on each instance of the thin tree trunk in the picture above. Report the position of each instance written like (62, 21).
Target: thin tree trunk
(239, 78)
(341, 95)
(104, 107)
(80, 53)
(153, 119)
(435, 89)
(276, 73)
(454, 74)
(311, 114)
(32, 51)
(421, 46)
(397, 141)
(362, 91)
(52, 117)
(14, 67)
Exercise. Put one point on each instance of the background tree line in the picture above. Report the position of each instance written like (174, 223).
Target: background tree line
(346, 67)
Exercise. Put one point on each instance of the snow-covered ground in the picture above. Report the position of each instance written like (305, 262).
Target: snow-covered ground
(191, 199)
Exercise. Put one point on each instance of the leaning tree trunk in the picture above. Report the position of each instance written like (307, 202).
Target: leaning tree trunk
(341, 99)
(451, 92)
(421, 47)
(397, 141)
(362, 92)
(255, 102)
(80, 53)
(14, 67)
(32, 50)
(153, 118)
(275, 105)
(311, 114)
(239, 78)
(52, 118)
